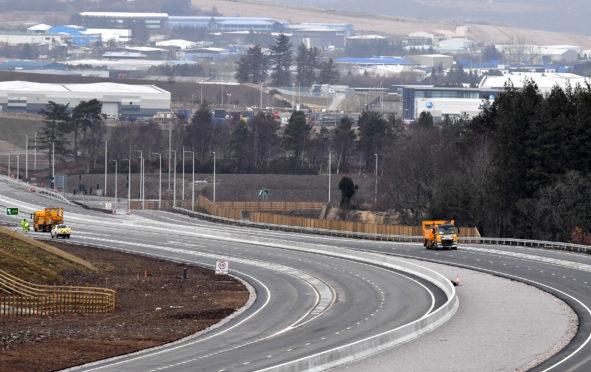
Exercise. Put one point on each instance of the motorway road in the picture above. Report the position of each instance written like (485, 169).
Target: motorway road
(306, 303)
(566, 275)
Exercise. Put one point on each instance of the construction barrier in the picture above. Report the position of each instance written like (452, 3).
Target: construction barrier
(29, 299)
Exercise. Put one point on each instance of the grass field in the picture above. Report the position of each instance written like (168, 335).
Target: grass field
(33, 260)
(13, 130)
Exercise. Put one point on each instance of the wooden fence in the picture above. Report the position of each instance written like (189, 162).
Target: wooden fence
(29, 299)
(368, 228)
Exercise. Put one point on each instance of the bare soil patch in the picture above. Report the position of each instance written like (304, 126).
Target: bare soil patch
(154, 306)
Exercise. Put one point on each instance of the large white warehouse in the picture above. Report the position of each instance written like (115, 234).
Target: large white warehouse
(119, 100)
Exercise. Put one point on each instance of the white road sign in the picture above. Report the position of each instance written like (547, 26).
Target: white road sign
(221, 267)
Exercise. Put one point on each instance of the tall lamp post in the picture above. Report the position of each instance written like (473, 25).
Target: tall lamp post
(169, 150)
(106, 166)
(375, 200)
(8, 165)
(329, 174)
(17, 168)
(183, 182)
(115, 180)
(26, 157)
(214, 176)
(174, 182)
(53, 164)
(159, 180)
(35, 153)
(129, 186)
(193, 180)
(141, 176)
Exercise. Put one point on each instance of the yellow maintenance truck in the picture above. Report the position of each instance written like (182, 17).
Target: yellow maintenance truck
(46, 219)
(440, 234)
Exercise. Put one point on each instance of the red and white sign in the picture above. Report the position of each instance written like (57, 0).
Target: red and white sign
(221, 267)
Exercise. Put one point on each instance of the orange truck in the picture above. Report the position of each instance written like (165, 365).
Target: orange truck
(46, 219)
(440, 234)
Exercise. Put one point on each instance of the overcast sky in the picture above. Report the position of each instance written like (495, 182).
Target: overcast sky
(553, 15)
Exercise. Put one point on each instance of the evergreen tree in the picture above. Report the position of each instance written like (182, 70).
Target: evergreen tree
(252, 67)
(328, 73)
(344, 141)
(264, 138)
(239, 144)
(53, 135)
(83, 116)
(374, 134)
(296, 135)
(348, 189)
(281, 60)
(199, 132)
(306, 64)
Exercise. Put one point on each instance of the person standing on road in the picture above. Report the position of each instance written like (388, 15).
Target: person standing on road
(25, 225)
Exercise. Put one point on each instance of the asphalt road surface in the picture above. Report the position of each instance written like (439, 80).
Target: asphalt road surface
(306, 303)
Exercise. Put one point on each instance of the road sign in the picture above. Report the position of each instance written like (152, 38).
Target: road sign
(12, 211)
(221, 267)
(264, 194)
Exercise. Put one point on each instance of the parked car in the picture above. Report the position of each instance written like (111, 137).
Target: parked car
(61, 230)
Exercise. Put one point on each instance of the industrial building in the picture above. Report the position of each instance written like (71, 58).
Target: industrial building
(544, 80)
(443, 102)
(153, 21)
(228, 24)
(120, 101)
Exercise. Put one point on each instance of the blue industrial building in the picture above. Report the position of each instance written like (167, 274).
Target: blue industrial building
(77, 36)
(228, 24)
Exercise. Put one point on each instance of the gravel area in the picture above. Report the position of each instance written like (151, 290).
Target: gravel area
(496, 328)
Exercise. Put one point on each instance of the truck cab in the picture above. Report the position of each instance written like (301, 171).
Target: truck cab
(440, 234)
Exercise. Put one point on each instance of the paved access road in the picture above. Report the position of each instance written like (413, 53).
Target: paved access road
(305, 303)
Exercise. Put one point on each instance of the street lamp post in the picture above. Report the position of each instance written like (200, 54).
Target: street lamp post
(17, 168)
(159, 180)
(8, 165)
(53, 164)
(174, 183)
(183, 182)
(329, 174)
(26, 157)
(35, 154)
(106, 166)
(169, 149)
(214, 176)
(115, 180)
(375, 200)
(129, 185)
(193, 179)
(141, 176)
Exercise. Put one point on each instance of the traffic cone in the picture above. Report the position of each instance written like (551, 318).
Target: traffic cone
(457, 282)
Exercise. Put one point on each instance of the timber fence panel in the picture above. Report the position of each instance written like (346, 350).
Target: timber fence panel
(38, 299)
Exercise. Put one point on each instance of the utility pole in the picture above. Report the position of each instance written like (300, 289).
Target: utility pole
(18, 168)
(174, 183)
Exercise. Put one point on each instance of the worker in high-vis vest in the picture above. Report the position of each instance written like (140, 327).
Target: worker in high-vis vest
(25, 225)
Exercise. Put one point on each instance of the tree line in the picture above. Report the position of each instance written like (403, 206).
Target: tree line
(254, 66)
(520, 169)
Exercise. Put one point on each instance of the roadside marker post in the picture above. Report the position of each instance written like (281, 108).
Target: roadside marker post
(221, 267)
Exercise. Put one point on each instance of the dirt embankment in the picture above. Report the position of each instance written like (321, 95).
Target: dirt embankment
(154, 306)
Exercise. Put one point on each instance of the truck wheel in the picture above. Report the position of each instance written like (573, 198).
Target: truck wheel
(68, 236)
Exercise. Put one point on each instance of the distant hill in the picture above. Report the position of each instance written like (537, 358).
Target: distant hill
(484, 32)
(550, 15)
